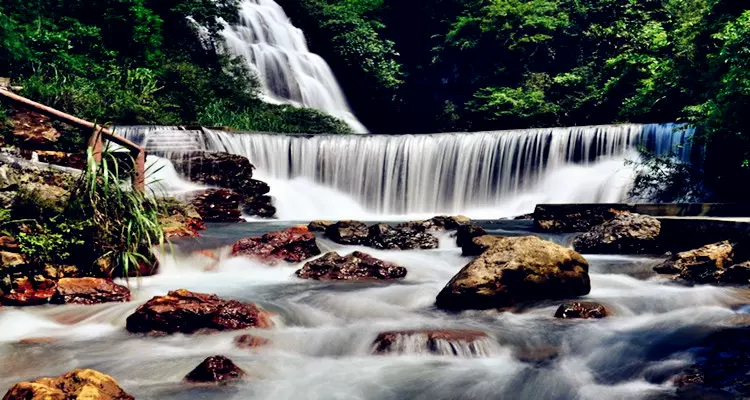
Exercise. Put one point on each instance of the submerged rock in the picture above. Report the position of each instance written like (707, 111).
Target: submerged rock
(89, 291)
(79, 384)
(250, 341)
(702, 265)
(581, 310)
(28, 292)
(516, 270)
(456, 342)
(187, 312)
(626, 233)
(386, 237)
(215, 369)
(348, 232)
(353, 267)
(292, 245)
(218, 205)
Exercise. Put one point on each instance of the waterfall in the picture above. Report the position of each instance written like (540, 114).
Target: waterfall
(288, 72)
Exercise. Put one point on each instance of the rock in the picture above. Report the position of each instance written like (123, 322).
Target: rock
(11, 260)
(524, 217)
(516, 270)
(440, 342)
(79, 384)
(319, 225)
(218, 205)
(738, 273)
(250, 341)
(56, 272)
(261, 206)
(179, 220)
(89, 291)
(348, 232)
(581, 310)
(187, 312)
(27, 292)
(386, 237)
(353, 267)
(574, 217)
(33, 130)
(703, 265)
(441, 222)
(215, 369)
(465, 233)
(292, 245)
(479, 245)
(8, 243)
(626, 233)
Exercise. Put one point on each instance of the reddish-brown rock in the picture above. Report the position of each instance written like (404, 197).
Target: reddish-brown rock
(293, 245)
(436, 341)
(26, 292)
(581, 310)
(79, 384)
(250, 341)
(218, 205)
(215, 369)
(89, 291)
(187, 312)
(353, 267)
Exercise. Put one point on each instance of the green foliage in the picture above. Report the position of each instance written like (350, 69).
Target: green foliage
(57, 242)
(271, 118)
(665, 179)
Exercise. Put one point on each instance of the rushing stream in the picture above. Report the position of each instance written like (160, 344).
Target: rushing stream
(322, 345)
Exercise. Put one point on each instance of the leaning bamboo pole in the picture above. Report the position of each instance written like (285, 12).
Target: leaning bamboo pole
(137, 152)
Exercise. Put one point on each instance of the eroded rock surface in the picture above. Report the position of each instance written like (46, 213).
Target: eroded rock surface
(352, 267)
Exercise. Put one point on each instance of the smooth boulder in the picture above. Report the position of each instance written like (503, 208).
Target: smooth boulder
(626, 233)
(89, 291)
(294, 245)
(581, 310)
(215, 369)
(516, 270)
(187, 312)
(352, 267)
(79, 384)
(703, 265)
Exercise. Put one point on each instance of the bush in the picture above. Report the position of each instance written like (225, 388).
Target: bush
(271, 118)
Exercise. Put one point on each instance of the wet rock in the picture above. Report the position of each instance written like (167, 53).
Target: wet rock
(89, 291)
(703, 265)
(180, 220)
(11, 260)
(218, 205)
(353, 267)
(574, 217)
(516, 270)
(386, 237)
(465, 233)
(187, 312)
(478, 245)
(250, 341)
(458, 342)
(292, 245)
(738, 273)
(261, 206)
(28, 292)
(581, 310)
(319, 225)
(626, 233)
(524, 217)
(80, 384)
(59, 271)
(348, 232)
(215, 369)
(441, 222)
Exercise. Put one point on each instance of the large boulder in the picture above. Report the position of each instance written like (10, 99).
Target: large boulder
(79, 384)
(626, 233)
(456, 342)
(89, 291)
(218, 205)
(353, 267)
(703, 265)
(215, 369)
(348, 232)
(516, 270)
(292, 245)
(574, 217)
(478, 245)
(386, 237)
(581, 310)
(187, 312)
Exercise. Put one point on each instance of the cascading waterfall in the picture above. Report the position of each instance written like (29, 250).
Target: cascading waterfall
(277, 52)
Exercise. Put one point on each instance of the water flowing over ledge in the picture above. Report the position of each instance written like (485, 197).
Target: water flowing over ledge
(482, 174)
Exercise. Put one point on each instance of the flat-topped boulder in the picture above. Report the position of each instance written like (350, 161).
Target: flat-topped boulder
(357, 266)
(79, 384)
(187, 312)
(706, 264)
(215, 369)
(626, 233)
(89, 291)
(574, 217)
(457, 342)
(581, 310)
(516, 270)
(294, 245)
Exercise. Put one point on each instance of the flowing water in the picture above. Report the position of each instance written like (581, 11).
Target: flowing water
(288, 72)
(322, 347)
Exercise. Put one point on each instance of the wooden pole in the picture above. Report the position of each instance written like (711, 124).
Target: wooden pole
(95, 142)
